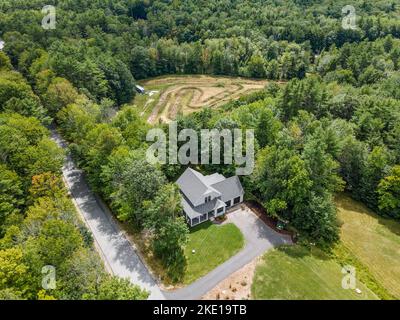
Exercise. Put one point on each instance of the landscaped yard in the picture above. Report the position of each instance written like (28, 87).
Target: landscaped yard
(294, 273)
(375, 242)
(213, 245)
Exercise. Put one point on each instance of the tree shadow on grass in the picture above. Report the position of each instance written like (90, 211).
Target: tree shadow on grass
(349, 204)
(300, 251)
(392, 225)
(202, 226)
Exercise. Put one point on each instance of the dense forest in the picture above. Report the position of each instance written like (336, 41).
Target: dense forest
(331, 124)
(39, 226)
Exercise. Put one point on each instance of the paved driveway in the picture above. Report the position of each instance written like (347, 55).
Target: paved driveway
(117, 252)
(258, 239)
(122, 259)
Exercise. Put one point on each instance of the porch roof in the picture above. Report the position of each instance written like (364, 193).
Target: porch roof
(195, 212)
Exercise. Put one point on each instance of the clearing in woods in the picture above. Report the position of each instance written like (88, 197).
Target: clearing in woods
(299, 273)
(166, 97)
(374, 240)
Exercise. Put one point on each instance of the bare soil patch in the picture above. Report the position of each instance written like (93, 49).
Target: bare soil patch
(188, 94)
(237, 286)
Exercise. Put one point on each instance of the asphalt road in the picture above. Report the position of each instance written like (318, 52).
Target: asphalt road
(121, 258)
(116, 251)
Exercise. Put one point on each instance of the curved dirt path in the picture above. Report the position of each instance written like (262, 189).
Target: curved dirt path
(208, 91)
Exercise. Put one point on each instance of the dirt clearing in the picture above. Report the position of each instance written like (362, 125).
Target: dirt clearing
(186, 94)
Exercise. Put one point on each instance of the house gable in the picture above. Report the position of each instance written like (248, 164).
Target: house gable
(193, 185)
(207, 197)
(230, 188)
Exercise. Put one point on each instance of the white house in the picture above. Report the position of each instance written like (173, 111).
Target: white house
(207, 197)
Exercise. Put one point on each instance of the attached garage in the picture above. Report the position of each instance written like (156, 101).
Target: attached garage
(237, 200)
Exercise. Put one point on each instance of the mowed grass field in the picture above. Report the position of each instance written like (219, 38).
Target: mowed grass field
(370, 241)
(295, 273)
(170, 95)
(213, 245)
(374, 240)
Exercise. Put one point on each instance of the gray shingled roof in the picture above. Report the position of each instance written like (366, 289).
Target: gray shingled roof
(194, 212)
(229, 188)
(212, 179)
(194, 185)
(191, 184)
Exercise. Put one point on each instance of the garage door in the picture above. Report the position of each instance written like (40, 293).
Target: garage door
(236, 200)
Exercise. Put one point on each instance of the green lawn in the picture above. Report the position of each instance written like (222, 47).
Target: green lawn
(294, 273)
(214, 245)
(374, 240)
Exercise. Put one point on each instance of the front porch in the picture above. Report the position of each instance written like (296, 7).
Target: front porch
(194, 221)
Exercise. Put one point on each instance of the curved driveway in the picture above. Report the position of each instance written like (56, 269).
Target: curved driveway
(258, 239)
(120, 256)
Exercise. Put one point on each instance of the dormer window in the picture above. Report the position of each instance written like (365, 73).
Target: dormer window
(208, 199)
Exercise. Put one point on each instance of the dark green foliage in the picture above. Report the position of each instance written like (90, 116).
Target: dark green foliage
(309, 95)
(39, 225)
(389, 193)
(11, 196)
(337, 119)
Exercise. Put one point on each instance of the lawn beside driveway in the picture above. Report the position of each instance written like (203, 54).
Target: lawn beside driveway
(296, 273)
(213, 245)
